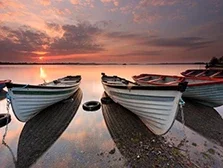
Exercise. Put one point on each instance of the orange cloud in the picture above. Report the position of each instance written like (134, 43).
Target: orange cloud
(9, 4)
(115, 2)
(75, 2)
(158, 2)
(44, 2)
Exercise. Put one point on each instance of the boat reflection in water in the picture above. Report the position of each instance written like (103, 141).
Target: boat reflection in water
(139, 146)
(40, 132)
(2, 94)
(204, 120)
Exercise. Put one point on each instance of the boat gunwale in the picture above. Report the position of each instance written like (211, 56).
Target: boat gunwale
(184, 73)
(209, 80)
(142, 87)
(180, 87)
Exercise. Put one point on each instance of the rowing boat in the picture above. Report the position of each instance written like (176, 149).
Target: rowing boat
(29, 100)
(156, 106)
(208, 91)
(204, 73)
(3, 83)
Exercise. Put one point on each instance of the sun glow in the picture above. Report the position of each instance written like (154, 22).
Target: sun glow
(42, 74)
(40, 58)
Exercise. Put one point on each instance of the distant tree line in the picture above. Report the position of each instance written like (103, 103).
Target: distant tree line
(215, 62)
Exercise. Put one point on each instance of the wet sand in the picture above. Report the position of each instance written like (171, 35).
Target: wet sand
(204, 120)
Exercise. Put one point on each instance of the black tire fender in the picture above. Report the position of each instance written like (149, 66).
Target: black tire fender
(106, 100)
(91, 106)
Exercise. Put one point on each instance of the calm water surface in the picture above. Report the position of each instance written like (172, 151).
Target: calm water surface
(86, 141)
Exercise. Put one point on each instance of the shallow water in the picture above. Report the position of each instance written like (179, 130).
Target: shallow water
(86, 141)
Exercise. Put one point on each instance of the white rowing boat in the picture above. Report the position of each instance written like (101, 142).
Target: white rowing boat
(156, 106)
(29, 100)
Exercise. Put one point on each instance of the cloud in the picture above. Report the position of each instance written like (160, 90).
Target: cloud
(158, 2)
(56, 11)
(75, 2)
(45, 2)
(21, 42)
(146, 16)
(123, 35)
(85, 3)
(115, 2)
(190, 43)
(10, 4)
(26, 41)
(76, 39)
(140, 53)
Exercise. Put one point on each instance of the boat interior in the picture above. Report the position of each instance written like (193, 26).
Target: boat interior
(204, 73)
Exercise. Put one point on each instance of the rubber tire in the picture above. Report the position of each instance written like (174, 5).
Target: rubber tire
(91, 106)
(4, 119)
(106, 100)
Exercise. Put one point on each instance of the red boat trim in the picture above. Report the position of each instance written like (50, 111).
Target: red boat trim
(210, 81)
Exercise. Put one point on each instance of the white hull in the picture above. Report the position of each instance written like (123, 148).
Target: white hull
(28, 101)
(156, 108)
(211, 95)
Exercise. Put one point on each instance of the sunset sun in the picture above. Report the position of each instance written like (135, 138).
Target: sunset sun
(41, 58)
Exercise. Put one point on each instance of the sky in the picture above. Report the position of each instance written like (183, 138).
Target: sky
(116, 31)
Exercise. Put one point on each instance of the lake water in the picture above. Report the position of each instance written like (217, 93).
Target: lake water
(86, 141)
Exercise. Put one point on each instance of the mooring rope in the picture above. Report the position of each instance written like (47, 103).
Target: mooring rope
(7, 108)
(8, 99)
(181, 104)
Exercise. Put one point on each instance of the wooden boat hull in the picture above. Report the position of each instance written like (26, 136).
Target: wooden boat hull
(207, 91)
(204, 73)
(157, 108)
(210, 95)
(43, 130)
(3, 83)
(29, 100)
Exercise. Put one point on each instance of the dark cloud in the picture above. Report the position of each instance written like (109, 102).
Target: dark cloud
(20, 42)
(76, 39)
(190, 43)
(53, 26)
(81, 38)
(140, 53)
(124, 35)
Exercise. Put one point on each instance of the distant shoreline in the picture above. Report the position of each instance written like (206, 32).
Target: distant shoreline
(33, 63)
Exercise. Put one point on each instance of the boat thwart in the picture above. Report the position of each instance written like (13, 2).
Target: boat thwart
(204, 73)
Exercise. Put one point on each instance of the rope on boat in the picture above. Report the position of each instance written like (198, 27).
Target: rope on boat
(25, 86)
(181, 102)
(8, 99)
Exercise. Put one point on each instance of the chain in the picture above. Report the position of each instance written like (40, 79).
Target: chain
(7, 108)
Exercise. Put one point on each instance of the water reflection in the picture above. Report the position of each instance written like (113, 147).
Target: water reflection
(204, 120)
(42, 74)
(2, 94)
(136, 143)
(39, 133)
(86, 142)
